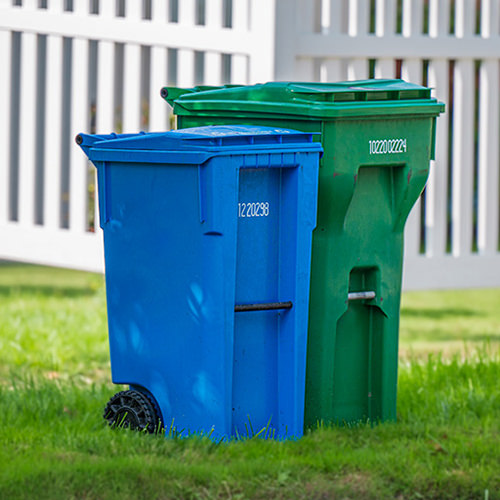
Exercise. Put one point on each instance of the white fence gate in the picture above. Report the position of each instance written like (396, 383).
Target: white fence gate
(98, 65)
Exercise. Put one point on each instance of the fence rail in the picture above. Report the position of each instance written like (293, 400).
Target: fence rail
(95, 66)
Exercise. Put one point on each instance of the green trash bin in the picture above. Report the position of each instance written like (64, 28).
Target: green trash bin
(378, 137)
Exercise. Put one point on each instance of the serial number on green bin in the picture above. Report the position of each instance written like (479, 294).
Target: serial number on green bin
(253, 209)
(387, 146)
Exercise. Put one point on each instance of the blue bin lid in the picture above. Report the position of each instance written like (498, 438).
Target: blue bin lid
(195, 145)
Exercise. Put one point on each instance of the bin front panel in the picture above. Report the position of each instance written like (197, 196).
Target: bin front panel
(255, 375)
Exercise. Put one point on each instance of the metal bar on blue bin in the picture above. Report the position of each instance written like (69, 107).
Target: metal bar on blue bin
(268, 306)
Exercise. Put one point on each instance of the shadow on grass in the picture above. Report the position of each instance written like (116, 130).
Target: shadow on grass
(427, 313)
(46, 291)
(458, 337)
(43, 281)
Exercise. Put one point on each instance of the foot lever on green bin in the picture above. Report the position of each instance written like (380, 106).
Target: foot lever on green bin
(268, 306)
(360, 295)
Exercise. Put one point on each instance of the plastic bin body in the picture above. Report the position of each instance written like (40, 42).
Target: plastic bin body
(378, 137)
(181, 250)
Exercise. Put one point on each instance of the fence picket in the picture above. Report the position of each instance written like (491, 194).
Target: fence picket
(488, 176)
(5, 89)
(263, 66)
(213, 68)
(463, 157)
(131, 88)
(187, 12)
(437, 188)
(412, 18)
(358, 25)
(159, 11)
(213, 60)
(359, 17)
(412, 71)
(239, 71)
(463, 136)
(385, 68)
(465, 17)
(285, 66)
(185, 68)
(309, 14)
(334, 70)
(53, 130)
(240, 15)
(131, 76)
(439, 18)
(338, 16)
(357, 69)
(385, 26)
(158, 110)
(81, 7)
(213, 16)
(385, 19)
(490, 18)
(79, 123)
(105, 111)
(27, 130)
(105, 87)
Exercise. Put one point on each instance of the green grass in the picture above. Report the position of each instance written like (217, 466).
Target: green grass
(54, 382)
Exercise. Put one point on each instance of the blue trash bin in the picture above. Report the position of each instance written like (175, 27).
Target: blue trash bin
(207, 238)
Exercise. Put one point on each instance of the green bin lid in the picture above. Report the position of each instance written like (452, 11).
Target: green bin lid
(319, 100)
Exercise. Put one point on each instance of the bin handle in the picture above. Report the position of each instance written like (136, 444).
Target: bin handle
(361, 295)
(268, 306)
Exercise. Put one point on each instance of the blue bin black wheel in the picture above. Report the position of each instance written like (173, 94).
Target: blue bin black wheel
(132, 410)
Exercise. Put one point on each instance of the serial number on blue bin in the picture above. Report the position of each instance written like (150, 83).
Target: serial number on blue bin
(253, 209)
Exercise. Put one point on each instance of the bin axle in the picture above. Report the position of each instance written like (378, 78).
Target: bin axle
(268, 306)
(360, 295)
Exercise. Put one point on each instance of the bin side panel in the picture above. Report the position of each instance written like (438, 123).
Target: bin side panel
(166, 280)
(276, 215)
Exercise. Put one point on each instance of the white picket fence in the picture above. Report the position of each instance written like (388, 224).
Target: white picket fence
(80, 66)
(89, 65)
(452, 236)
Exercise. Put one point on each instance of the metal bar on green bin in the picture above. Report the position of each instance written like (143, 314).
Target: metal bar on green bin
(268, 306)
(360, 295)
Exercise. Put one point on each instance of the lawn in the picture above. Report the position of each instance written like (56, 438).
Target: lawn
(55, 380)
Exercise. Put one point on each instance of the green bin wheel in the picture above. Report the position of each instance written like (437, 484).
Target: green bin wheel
(132, 410)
